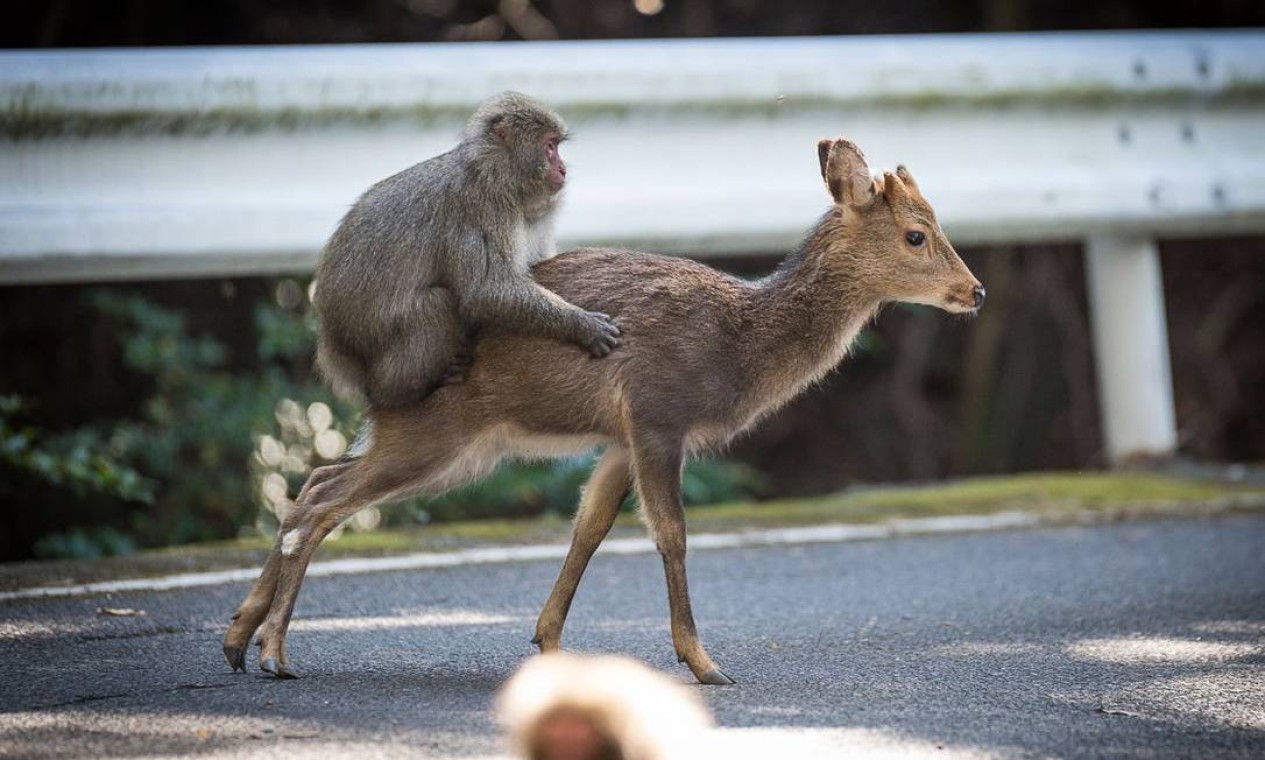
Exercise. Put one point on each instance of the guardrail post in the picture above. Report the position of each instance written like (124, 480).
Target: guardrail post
(1135, 385)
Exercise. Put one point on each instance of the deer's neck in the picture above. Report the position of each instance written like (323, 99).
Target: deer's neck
(809, 312)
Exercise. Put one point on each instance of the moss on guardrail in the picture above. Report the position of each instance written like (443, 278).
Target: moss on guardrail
(28, 115)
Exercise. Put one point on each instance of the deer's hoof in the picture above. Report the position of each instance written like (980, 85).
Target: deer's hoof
(714, 677)
(236, 657)
(282, 671)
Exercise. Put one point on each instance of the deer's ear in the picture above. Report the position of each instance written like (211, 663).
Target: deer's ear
(823, 153)
(846, 173)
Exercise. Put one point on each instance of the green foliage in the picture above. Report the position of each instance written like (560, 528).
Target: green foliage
(282, 333)
(56, 469)
(717, 481)
(516, 488)
(78, 462)
(193, 435)
(554, 487)
(99, 541)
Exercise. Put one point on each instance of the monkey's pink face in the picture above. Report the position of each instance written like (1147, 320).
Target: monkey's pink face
(557, 169)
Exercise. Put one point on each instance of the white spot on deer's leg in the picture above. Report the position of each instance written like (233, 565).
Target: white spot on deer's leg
(290, 542)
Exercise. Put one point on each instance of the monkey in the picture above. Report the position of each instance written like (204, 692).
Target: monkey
(427, 257)
(563, 706)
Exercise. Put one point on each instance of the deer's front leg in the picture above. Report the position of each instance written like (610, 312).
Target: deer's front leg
(599, 505)
(657, 466)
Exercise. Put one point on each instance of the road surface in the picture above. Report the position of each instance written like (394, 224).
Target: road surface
(1136, 639)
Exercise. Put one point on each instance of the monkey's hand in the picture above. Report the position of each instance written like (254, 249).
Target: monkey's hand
(600, 334)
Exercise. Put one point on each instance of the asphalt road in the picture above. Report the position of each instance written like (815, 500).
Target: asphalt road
(1130, 640)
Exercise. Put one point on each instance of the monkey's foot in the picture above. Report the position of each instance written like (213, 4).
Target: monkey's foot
(236, 657)
(280, 670)
(714, 677)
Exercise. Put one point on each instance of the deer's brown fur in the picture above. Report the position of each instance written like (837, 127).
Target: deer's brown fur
(705, 355)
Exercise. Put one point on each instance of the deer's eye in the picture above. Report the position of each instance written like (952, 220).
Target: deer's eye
(915, 238)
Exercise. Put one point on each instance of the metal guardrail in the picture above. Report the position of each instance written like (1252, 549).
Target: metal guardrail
(130, 164)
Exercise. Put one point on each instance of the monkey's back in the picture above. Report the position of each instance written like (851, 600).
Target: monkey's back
(388, 248)
(388, 243)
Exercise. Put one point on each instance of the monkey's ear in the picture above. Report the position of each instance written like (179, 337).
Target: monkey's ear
(846, 173)
(501, 128)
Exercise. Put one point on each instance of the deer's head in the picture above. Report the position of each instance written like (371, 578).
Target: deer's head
(890, 235)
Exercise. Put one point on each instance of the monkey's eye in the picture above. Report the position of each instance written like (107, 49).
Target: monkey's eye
(915, 238)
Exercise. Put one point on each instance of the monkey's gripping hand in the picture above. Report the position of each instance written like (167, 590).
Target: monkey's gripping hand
(599, 334)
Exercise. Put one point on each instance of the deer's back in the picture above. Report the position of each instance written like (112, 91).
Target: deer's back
(647, 290)
(680, 363)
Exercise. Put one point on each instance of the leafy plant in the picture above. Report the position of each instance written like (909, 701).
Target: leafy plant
(79, 468)
(79, 462)
(554, 487)
(99, 541)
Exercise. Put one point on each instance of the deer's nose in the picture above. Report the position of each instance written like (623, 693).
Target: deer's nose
(979, 296)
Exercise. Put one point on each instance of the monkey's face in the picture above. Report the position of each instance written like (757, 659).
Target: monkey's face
(538, 164)
(555, 168)
(528, 135)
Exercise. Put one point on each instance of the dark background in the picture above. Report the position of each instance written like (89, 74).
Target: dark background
(927, 396)
(72, 23)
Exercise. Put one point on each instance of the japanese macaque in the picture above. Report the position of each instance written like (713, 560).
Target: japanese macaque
(574, 707)
(443, 249)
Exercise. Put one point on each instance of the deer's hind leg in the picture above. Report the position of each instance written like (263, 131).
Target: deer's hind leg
(255, 607)
(389, 470)
(599, 504)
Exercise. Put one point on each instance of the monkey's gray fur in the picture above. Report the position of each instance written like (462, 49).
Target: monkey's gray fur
(427, 256)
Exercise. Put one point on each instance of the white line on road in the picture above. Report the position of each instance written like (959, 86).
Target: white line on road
(819, 534)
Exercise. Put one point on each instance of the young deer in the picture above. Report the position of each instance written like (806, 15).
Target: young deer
(705, 356)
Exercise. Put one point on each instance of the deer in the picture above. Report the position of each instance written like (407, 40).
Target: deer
(705, 356)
